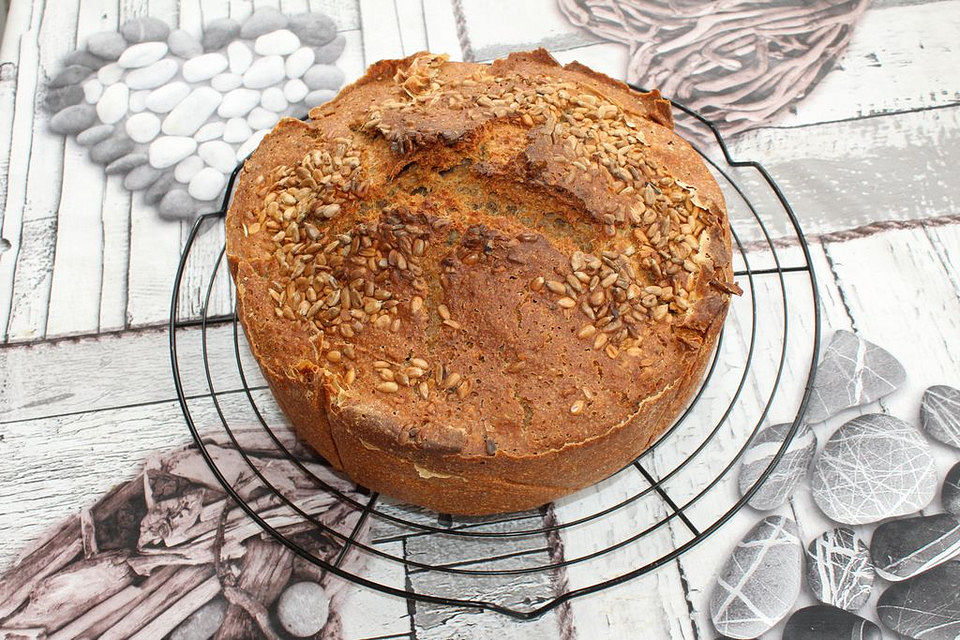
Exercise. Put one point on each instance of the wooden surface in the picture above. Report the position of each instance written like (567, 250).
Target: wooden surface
(85, 387)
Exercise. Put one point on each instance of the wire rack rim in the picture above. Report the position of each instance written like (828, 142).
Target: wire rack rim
(537, 611)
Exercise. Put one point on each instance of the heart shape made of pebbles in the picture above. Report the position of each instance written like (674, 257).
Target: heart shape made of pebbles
(175, 114)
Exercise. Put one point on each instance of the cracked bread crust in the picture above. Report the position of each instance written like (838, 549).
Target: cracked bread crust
(479, 288)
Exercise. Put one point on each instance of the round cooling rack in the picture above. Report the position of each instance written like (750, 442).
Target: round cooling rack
(669, 500)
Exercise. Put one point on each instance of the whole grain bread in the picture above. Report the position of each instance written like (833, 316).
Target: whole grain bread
(478, 288)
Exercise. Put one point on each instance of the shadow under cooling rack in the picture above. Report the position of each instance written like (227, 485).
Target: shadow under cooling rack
(672, 498)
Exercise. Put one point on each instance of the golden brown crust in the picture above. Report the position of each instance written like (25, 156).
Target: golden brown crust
(478, 288)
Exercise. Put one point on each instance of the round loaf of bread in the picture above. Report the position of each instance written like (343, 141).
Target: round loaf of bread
(478, 288)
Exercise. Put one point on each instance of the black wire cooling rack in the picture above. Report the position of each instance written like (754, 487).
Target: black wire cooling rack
(672, 498)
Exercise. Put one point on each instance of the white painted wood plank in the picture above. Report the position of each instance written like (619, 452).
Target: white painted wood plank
(605, 57)
(36, 191)
(899, 58)
(118, 204)
(367, 613)
(846, 174)
(441, 29)
(381, 34)
(413, 33)
(293, 7)
(76, 290)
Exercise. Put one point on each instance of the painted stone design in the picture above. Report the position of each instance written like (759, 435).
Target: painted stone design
(852, 372)
(901, 549)
(790, 469)
(873, 467)
(743, 604)
(148, 97)
(940, 414)
(925, 607)
(839, 569)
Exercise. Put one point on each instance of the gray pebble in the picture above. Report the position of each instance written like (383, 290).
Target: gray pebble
(940, 414)
(144, 29)
(106, 44)
(328, 53)
(760, 581)
(839, 570)
(202, 623)
(318, 97)
(822, 622)
(183, 44)
(94, 134)
(178, 205)
(852, 372)
(874, 467)
(73, 119)
(262, 21)
(924, 607)
(313, 28)
(901, 549)
(74, 74)
(219, 33)
(84, 58)
(141, 177)
(789, 471)
(110, 149)
(125, 163)
(323, 76)
(59, 99)
(159, 188)
(950, 496)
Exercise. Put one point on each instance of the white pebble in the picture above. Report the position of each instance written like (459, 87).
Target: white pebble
(112, 105)
(318, 97)
(165, 98)
(110, 73)
(277, 43)
(247, 147)
(138, 101)
(142, 54)
(209, 131)
(92, 90)
(187, 168)
(298, 62)
(260, 118)
(238, 103)
(203, 67)
(224, 82)
(236, 130)
(143, 127)
(273, 100)
(264, 73)
(218, 154)
(239, 56)
(152, 76)
(295, 91)
(190, 114)
(207, 184)
(167, 151)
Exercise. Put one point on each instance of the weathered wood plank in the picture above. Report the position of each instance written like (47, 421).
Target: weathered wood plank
(413, 33)
(441, 29)
(31, 269)
(381, 32)
(845, 174)
(131, 368)
(76, 290)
